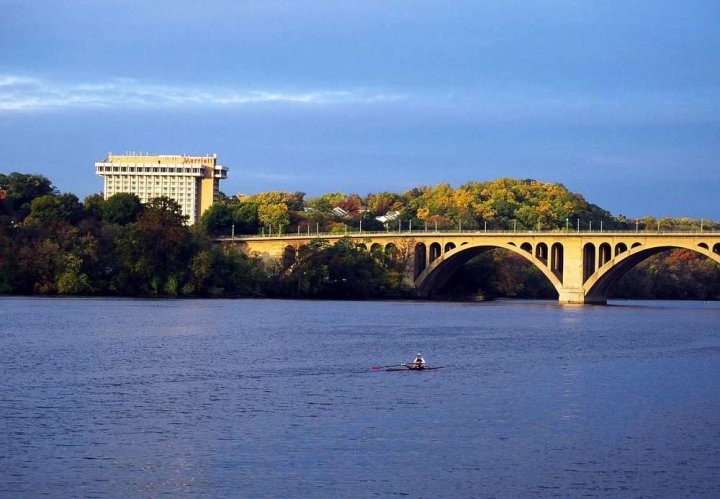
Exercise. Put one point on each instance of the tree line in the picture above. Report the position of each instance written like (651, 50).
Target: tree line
(53, 243)
(502, 204)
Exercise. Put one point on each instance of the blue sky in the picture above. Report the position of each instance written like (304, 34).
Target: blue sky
(619, 101)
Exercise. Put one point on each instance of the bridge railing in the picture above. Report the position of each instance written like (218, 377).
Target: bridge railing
(456, 232)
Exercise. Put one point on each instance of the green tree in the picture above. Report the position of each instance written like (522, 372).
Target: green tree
(122, 208)
(167, 209)
(52, 208)
(7, 257)
(19, 190)
(93, 207)
(245, 218)
(70, 279)
(334, 271)
(153, 251)
(218, 219)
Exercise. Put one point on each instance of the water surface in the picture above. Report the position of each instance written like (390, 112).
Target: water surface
(263, 398)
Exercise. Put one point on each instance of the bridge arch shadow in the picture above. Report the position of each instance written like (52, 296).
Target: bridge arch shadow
(441, 269)
(598, 285)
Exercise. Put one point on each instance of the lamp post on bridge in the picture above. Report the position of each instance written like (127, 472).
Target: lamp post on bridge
(233, 231)
(578, 225)
(590, 226)
(567, 225)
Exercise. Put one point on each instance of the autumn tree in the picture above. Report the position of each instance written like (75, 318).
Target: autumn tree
(274, 216)
(326, 202)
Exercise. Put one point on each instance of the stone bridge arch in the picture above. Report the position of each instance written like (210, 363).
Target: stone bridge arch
(442, 268)
(597, 285)
(582, 266)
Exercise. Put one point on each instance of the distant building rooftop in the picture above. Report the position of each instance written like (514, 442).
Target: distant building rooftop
(387, 217)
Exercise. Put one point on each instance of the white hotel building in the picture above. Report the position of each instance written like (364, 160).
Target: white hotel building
(192, 181)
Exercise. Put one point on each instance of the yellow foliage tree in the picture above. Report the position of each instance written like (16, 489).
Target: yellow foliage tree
(274, 215)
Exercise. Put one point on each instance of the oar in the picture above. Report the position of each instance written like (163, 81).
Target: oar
(376, 368)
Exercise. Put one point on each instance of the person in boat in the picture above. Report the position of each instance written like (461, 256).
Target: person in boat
(418, 363)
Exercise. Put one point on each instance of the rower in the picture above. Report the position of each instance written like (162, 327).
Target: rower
(419, 362)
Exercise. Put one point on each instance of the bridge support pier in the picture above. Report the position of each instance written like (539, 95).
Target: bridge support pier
(578, 297)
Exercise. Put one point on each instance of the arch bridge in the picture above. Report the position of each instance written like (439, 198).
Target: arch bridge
(582, 266)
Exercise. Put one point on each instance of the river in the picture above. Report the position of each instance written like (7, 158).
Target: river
(266, 398)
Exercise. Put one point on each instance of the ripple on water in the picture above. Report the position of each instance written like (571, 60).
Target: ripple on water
(264, 398)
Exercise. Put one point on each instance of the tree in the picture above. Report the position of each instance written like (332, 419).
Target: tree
(122, 208)
(52, 208)
(221, 217)
(19, 191)
(274, 215)
(93, 206)
(334, 271)
(326, 202)
(218, 219)
(45, 209)
(351, 204)
(294, 201)
(167, 208)
(152, 255)
(369, 223)
(7, 258)
(398, 262)
(71, 280)
(383, 202)
(245, 218)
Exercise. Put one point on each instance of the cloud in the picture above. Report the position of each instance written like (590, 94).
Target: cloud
(505, 104)
(20, 93)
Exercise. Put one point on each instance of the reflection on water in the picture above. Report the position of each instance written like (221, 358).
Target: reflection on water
(263, 398)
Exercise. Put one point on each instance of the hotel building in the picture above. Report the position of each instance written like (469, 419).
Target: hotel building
(192, 181)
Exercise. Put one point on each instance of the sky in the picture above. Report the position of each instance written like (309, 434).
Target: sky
(618, 101)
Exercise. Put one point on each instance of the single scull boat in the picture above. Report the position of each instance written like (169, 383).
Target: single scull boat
(403, 367)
